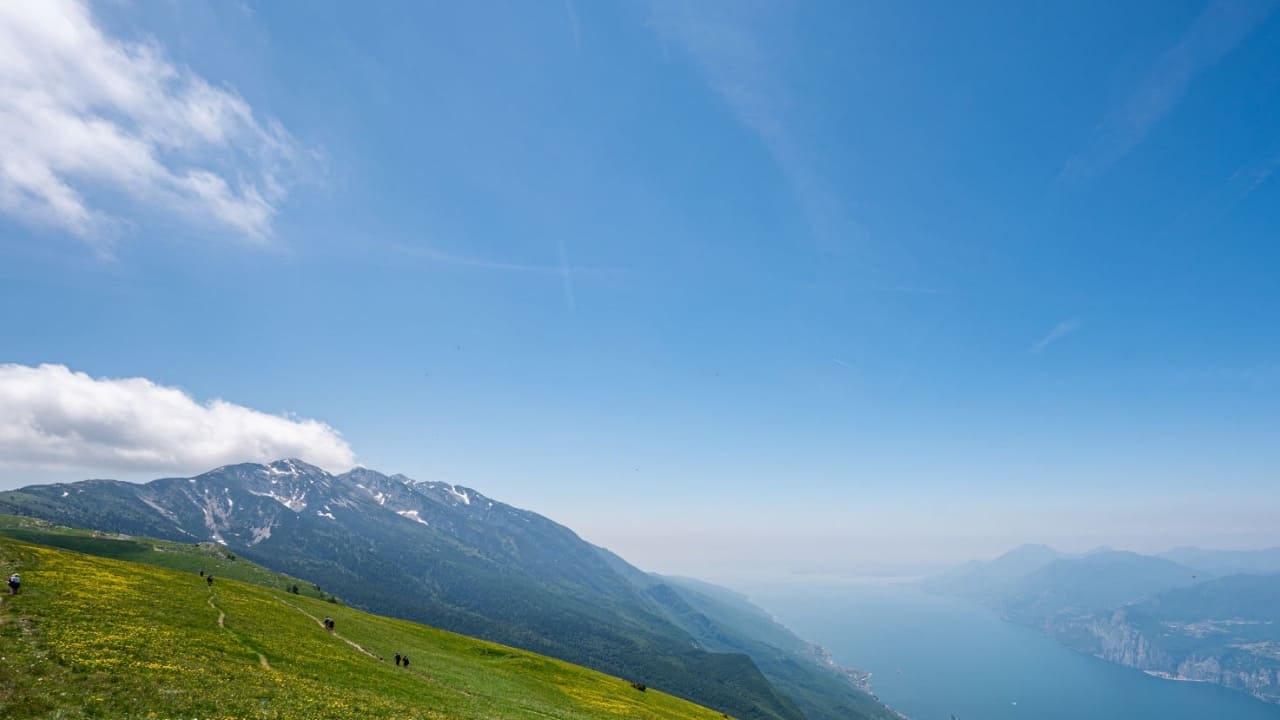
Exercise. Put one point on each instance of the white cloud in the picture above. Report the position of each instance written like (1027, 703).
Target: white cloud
(53, 418)
(84, 115)
(1059, 331)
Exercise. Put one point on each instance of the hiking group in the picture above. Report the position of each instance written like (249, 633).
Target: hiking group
(401, 660)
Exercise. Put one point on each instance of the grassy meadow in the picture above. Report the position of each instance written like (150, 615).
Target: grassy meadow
(99, 637)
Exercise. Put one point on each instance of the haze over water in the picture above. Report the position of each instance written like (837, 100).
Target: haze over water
(933, 657)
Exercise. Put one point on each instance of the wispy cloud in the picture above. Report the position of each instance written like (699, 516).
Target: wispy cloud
(1059, 331)
(1214, 33)
(86, 115)
(734, 47)
(914, 290)
(54, 418)
(563, 270)
(573, 23)
(479, 263)
(1254, 175)
(566, 278)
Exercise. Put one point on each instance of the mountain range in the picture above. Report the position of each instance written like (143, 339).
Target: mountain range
(450, 557)
(1188, 614)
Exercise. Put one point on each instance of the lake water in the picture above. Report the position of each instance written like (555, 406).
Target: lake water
(932, 657)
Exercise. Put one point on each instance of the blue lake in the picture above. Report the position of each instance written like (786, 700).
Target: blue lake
(933, 657)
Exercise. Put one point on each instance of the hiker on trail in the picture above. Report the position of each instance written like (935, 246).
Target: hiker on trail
(202, 573)
(14, 583)
(405, 661)
(397, 659)
(328, 624)
(210, 579)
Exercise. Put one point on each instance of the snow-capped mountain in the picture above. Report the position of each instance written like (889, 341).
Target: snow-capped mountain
(242, 505)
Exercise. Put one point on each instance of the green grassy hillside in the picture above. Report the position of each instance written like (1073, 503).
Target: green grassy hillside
(209, 557)
(95, 637)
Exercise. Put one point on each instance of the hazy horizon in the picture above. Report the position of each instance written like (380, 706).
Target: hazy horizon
(824, 552)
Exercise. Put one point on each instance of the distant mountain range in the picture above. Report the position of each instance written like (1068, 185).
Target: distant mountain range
(451, 557)
(1188, 614)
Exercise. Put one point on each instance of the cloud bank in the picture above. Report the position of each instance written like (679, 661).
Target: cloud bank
(56, 419)
(86, 118)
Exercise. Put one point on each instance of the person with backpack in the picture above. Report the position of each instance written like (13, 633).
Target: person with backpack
(397, 659)
(404, 660)
(14, 583)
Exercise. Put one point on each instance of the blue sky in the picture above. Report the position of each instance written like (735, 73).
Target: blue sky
(828, 287)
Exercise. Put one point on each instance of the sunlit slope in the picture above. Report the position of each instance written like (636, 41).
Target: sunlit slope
(97, 637)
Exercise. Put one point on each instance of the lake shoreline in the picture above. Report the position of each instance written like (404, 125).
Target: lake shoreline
(934, 656)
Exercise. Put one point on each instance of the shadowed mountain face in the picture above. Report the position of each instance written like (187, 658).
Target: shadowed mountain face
(451, 557)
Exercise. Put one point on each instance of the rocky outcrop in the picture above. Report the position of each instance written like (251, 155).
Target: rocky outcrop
(1120, 638)
(1114, 639)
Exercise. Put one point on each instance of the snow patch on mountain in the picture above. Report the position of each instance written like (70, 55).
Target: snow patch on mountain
(459, 494)
(155, 506)
(260, 534)
(283, 467)
(296, 502)
(412, 515)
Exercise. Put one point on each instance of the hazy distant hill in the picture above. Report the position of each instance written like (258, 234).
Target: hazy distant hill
(1226, 562)
(1247, 597)
(991, 580)
(451, 557)
(725, 621)
(1149, 613)
(91, 637)
(1090, 584)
